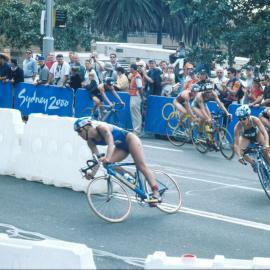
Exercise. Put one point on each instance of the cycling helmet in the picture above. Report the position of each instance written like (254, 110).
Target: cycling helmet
(81, 122)
(243, 111)
(109, 81)
(195, 88)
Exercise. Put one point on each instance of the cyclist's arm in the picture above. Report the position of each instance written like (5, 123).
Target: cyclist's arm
(220, 104)
(108, 138)
(203, 109)
(262, 130)
(117, 96)
(256, 101)
(92, 147)
(103, 93)
(236, 140)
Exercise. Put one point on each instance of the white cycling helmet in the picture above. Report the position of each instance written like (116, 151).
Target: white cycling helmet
(81, 122)
(195, 88)
(243, 111)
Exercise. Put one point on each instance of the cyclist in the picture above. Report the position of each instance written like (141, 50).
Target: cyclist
(120, 144)
(264, 116)
(108, 86)
(199, 105)
(249, 129)
(181, 102)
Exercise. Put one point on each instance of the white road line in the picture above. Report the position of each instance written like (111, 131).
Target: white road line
(238, 221)
(214, 182)
(162, 148)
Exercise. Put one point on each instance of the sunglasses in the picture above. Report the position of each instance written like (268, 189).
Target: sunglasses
(242, 118)
(112, 57)
(229, 73)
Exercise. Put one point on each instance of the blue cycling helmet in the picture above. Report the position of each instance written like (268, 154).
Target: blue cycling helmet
(243, 111)
(82, 122)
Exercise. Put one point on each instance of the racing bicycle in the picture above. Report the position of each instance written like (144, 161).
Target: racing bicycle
(262, 165)
(110, 195)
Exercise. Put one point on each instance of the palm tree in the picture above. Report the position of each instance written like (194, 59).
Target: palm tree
(125, 15)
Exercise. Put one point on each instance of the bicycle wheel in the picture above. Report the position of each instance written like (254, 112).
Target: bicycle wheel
(167, 109)
(264, 177)
(198, 137)
(226, 143)
(109, 199)
(169, 191)
(177, 136)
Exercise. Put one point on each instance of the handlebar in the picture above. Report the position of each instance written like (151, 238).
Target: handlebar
(91, 163)
(253, 149)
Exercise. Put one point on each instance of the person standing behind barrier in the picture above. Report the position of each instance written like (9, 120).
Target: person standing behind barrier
(4, 67)
(76, 62)
(59, 72)
(15, 74)
(248, 83)
(97, 65)
(153, 79)
(50, 60)
(29, 67)
(113, 60)
(43, 71)
(122, 83)
(88, 69)
(135, 93)
(75, 80)
(109, 72)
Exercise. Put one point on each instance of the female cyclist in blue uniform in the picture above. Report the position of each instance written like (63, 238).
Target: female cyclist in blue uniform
(249, 129)
(120, 144)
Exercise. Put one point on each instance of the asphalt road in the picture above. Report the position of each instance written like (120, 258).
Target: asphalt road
(224, 212)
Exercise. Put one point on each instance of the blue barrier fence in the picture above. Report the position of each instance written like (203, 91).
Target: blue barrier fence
(53, 100)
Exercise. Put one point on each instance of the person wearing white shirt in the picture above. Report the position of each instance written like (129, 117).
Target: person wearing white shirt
(220, 81)
(88, 69)
(59, 72)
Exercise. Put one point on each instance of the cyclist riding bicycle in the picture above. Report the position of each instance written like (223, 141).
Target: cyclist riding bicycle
(108, 85)
(120, 144)
(264, 116)
(249, 129)
(181, 102)
(200, 108)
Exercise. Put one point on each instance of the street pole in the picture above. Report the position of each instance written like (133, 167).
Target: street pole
(48, 41)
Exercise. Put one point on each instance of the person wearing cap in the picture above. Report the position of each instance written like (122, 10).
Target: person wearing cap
(109, 72)
(59, 72)
(153, 79)
(43, 71)
(4, 67)
(30, 68)
(16, 73)
(140, 62)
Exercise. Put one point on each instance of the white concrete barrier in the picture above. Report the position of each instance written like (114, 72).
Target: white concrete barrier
(52, 152)
(159, 260)
(45, 254)
(10, 133)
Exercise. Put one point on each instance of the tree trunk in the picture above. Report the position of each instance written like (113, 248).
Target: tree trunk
(124, 35)
(230, 54)
(159, 32)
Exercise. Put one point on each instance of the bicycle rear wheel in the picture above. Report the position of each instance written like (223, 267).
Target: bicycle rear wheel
(198, 137)
(109, 199)
(177, 135)
(169, 191)
(264, 177)
(226, 143)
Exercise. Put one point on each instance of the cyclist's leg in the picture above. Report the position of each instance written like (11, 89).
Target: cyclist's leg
(200, 116)
(243, 144)
(97, 103)
(136, 151)
(260, 139)
(118, 156)
(181, 109)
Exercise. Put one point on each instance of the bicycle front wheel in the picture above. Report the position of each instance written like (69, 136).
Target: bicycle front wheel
(109, 199)
(226, 143)
(264, 176)
(177, 135)
(169, 191)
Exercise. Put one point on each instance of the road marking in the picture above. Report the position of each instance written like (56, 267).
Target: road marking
(215, 216)
(162, 148)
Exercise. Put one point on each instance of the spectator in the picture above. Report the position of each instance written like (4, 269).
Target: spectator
(50, 60)
(122, 83)
(248, 83)
(220, 81)
(71, 60)
(29, 67)
(203, 77)
(233, 88)
(256, 92)
(59, 72)
(88, 69)
(76, 62)
(265, 81)
(191, 79)
(43, 71)
(163, 66)
(140, 62)
(97, 65)
(167, 81)
(113, 59)
(15, 73)
(4, 67)
(135, 92)
(153, 79)
(75, 80)
(109, 72)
